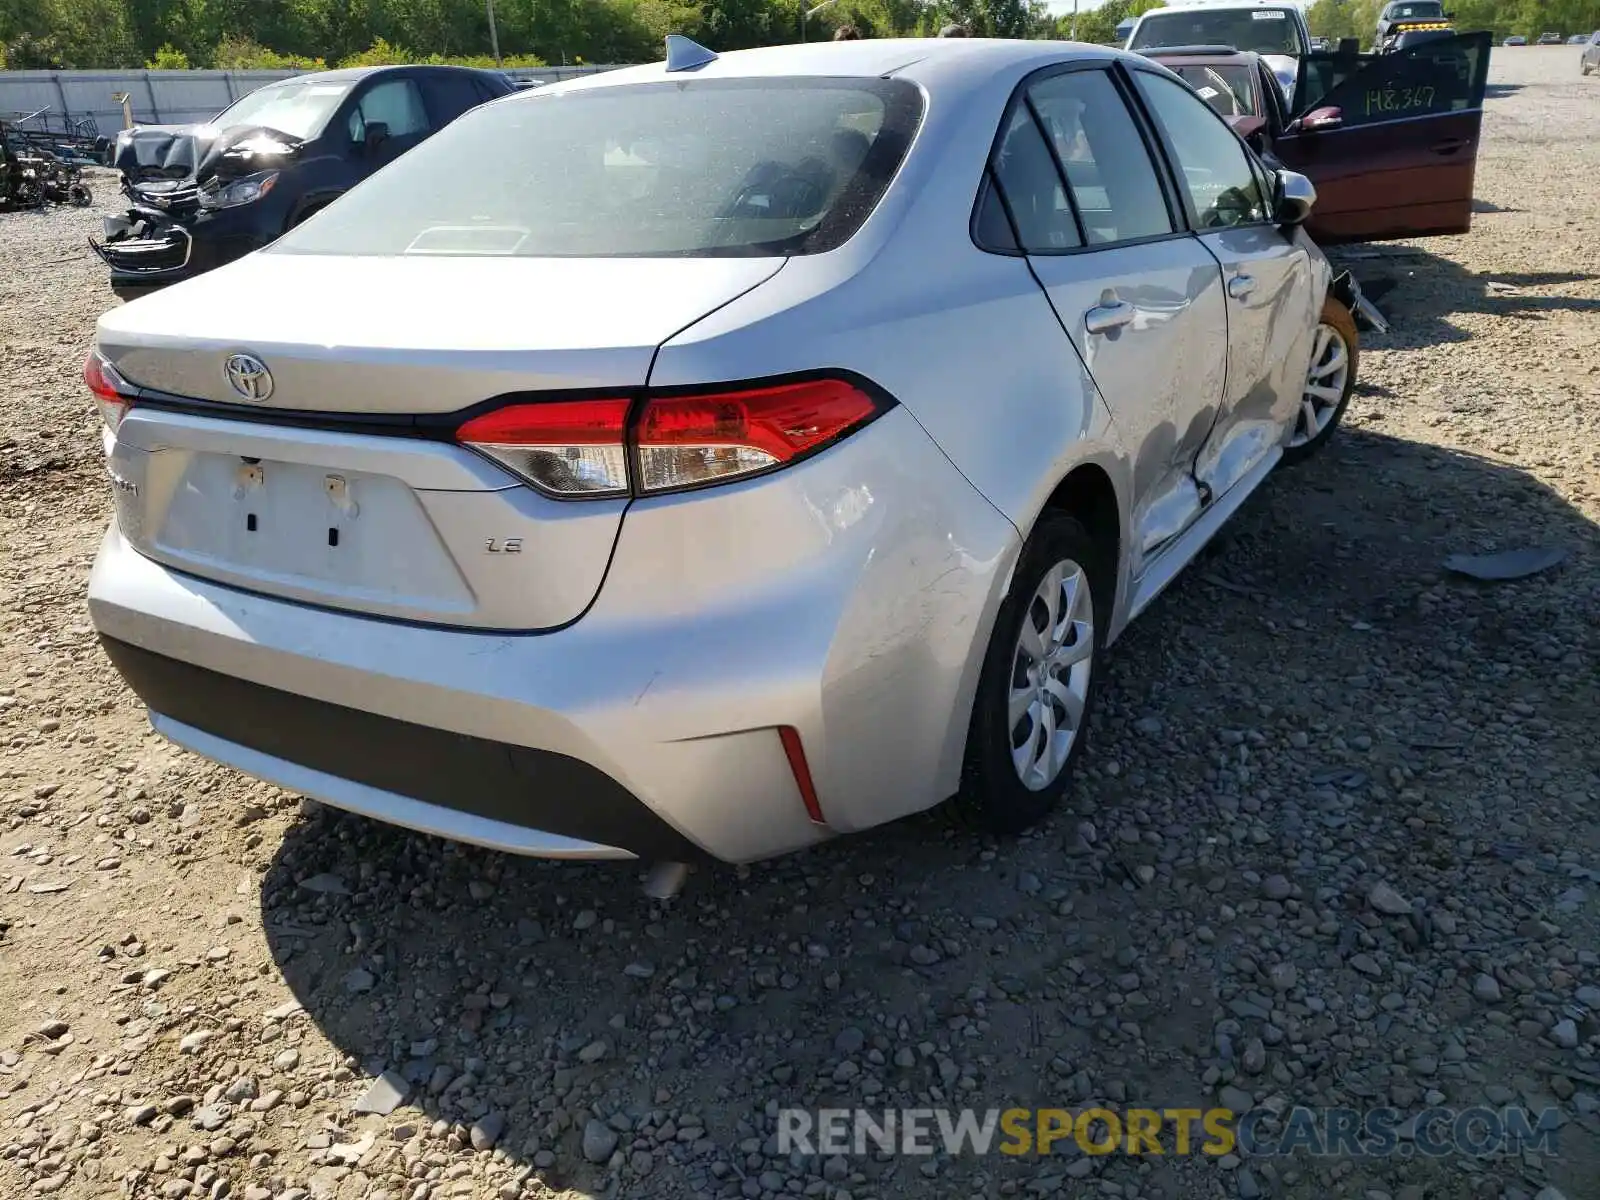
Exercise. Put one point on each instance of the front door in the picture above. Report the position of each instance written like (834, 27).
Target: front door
(1390, 140)
(1266, 274)
(393, 103)
(1141, 299)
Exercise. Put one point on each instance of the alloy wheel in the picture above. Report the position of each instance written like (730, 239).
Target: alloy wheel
(1326, 379)
(1050, 670)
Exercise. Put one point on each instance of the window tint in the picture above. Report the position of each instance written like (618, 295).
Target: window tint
(1213, 165)
(1113, 181)
(1228, 88)
(1264, 30)
(451, 95)
(1441, 76)
(396, 103)
(1032, 187)
(701, 167)
(992, 228)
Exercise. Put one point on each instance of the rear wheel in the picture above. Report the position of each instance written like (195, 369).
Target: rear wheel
(1330, 379)
(1031, 711)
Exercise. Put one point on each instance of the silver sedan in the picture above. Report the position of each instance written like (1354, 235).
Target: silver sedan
(713, 457)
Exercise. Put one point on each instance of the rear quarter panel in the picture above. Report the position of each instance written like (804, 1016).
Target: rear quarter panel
(964, 339)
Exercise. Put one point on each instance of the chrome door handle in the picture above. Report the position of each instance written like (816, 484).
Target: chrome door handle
(1241, 286)
(1103, 318)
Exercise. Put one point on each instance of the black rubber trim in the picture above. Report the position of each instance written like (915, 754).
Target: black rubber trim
(535, 789)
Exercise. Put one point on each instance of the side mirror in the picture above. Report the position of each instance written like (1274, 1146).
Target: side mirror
(377, 134)
(1320, 119)
(1296, 195)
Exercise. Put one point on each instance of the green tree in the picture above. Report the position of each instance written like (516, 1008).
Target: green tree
(168, 58)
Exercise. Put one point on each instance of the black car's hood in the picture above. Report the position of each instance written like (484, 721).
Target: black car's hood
(197, 152)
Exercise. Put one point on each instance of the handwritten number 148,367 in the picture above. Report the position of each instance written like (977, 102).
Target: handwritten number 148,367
(1399, 100)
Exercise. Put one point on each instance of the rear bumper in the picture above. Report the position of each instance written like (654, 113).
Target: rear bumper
(467, 788)
(848, 597)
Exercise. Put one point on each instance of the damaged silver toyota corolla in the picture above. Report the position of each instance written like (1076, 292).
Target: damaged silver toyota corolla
(712, 457)
(204, 195)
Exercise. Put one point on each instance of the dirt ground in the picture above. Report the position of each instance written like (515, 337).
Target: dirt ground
(1334, 842)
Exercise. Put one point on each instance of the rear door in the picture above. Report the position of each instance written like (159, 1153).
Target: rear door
(449, 94)
(1390, 140)
(1140, 298)
(395, 102)
(1267, 277)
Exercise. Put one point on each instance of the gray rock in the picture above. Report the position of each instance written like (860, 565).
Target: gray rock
(210, 1118)
(1276, 887)
(850, 1041)
(326, 884)
(1565, 1033)
(1486, 988)
(359, 980)
(1236, 1099)
(387, 1092)
(1255, 1057)
(599, 1141)
(486, 1131)
(1366, 964)
(1388, 901)
(1589, 997)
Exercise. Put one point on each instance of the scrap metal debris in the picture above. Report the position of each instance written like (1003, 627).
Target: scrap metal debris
(1507, 564)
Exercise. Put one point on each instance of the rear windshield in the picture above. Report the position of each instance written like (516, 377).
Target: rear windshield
(1228, 88)
(1263, 30)
(299, 108)
(689, 168)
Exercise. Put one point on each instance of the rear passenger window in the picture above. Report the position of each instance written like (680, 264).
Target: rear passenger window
(1031, 185)
(1113, 181)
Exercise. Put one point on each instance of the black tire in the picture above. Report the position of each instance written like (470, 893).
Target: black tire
(993, 796)
(80, 195)
(1337, 318)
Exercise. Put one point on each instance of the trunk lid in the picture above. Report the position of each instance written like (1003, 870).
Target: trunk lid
(416, 334)
(390, 523)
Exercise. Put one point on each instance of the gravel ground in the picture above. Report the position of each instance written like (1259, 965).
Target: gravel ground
(1334, 842)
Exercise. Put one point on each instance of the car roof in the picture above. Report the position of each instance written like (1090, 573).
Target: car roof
(921, 60)
(1229, 6)
(351, 74)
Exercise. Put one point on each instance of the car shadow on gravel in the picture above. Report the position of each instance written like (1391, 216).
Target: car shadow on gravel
(1422, 293)
(601, 1039)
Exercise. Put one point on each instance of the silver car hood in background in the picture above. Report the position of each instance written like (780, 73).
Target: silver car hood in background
(417, 334)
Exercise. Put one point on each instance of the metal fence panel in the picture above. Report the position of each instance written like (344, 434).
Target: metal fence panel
(163, 97)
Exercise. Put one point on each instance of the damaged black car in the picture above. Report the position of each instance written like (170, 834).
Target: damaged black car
(204, 195)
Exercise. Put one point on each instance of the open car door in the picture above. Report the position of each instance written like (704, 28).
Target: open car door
(1389, 140)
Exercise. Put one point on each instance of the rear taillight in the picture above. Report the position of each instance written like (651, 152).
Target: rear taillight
(685, 441)
(587, 448)
(568, 448)
(112, 393)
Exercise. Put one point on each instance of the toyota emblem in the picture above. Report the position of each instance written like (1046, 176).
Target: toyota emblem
(248, 376)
